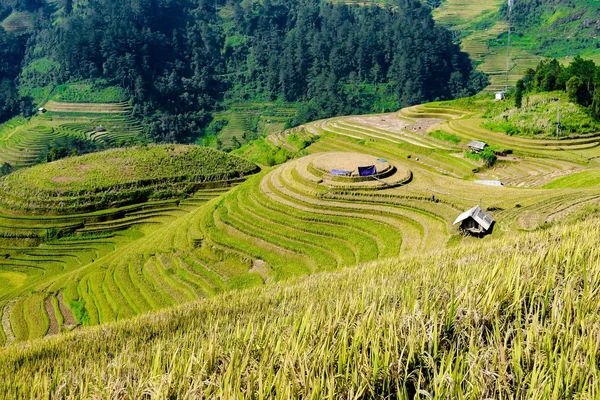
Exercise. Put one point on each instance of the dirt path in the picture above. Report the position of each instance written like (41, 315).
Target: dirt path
(10, 336)
(53, 329)
(68, 318)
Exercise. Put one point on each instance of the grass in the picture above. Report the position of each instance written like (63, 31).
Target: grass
(392, 329)
(86, 92)
(539, 116)
(580, 180)
(441, 135)
(264, 152)
(118, 177)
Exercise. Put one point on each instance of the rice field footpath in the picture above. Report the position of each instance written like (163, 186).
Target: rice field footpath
(509, 318)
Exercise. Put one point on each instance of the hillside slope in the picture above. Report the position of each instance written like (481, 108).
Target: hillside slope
(510, 318)
(546, 28)
(292, 219)
(180, 61)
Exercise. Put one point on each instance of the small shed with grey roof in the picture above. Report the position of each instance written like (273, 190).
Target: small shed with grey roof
(475, 221)
(477, 146)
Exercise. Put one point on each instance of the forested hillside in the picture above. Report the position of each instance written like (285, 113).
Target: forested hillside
(180, 60)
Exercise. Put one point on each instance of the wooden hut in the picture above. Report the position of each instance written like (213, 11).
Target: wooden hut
(475, 221)
(477, 146)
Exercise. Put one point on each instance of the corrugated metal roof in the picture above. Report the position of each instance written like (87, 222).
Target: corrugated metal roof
(477, 145)
(478, 215)
(489, 183)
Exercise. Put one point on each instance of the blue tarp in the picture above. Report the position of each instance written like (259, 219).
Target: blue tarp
(367, 171)
(381, 160)
(340, 172)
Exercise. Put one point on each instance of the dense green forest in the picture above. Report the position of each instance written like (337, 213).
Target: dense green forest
(179, 60)
(579, 80)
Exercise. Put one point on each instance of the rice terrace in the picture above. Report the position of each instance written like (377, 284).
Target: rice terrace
(229, 201)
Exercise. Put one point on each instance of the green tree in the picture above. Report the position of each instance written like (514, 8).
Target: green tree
(596, 104)
(5, 169)
(519, 93)
(577, 91)
(68, 7)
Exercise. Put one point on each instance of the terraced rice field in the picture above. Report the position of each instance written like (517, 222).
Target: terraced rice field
(18, 22)
(104, 263)
(25, 143)
(441, 171)
(247, 120)
(467, 17)
(60, 271)
(289, 220)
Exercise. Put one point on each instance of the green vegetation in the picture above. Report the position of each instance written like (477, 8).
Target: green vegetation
(399, 331)
(84, 92)
(552, 101)
(67, 129)
(540, 29)
(264, 152)
(18, 22)
(290, 220)
(246, 122)
(441, 135)
(487, 156)
(183, 65)
(538, 116)
(580, 180)
(121, 176)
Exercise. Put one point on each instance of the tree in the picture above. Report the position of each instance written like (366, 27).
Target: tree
(519, 93)
(5, 169)
(596, 104)
(584, 69)
(577, 91)
(68, 7)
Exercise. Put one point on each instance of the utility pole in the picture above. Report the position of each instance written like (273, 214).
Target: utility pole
(558, 120)
(510, 6)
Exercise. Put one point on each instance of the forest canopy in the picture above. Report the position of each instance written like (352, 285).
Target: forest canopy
(580, 80)
(179, 60)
